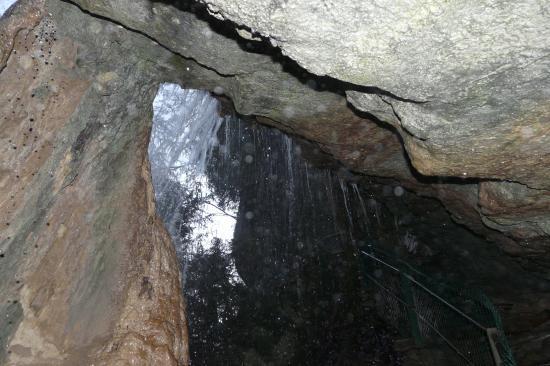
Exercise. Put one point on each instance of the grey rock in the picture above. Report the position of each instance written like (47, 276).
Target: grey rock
(481, 67)
(181, 32)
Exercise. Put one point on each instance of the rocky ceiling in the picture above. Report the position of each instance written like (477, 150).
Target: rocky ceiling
(451, 99)
(463, 87)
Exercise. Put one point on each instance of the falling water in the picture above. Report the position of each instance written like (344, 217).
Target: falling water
(349, 214)
(365, 218)
(259, 231)
(184, 133)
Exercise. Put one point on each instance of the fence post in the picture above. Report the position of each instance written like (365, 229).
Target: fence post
(492, 333)
(406, 289)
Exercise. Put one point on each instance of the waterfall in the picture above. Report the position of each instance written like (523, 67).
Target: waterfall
(365, 218)
(349, 213)
(227, 165)
(185, 127)
(254, 222)
(184, 134)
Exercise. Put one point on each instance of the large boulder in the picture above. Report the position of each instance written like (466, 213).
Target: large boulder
(466, 84)
(88, 272)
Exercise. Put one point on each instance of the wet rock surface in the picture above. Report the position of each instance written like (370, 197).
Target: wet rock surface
(79, 234)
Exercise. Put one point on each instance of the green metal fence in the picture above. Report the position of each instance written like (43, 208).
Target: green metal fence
(462, 324)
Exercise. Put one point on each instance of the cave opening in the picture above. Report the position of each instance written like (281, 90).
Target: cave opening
(410, 179)
(280, 249)
(261, 225)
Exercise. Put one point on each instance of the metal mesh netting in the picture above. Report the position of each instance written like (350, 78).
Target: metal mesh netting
(461, 324)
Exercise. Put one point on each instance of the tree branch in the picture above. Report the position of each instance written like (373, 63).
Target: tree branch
(223, 211)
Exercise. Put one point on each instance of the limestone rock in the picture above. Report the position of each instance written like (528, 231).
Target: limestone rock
(437, 141)
(182, 32)
(88, 272)
(515, 209)
(481, 69)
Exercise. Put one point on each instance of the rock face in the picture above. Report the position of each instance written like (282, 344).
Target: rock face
(89, 275)
(477, 119)
(450, 99)
(478, 69)
(465, 85)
